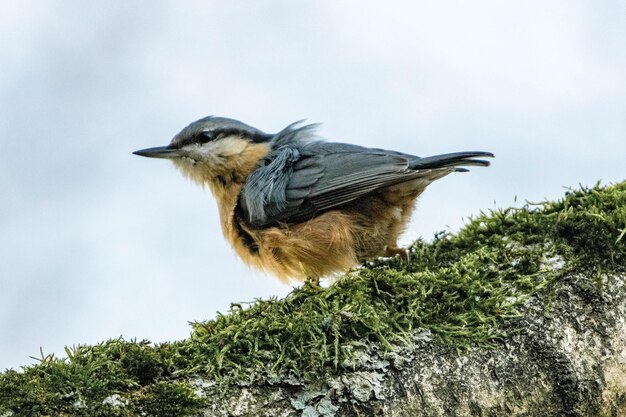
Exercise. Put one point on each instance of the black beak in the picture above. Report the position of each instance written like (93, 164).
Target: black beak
(158, 152)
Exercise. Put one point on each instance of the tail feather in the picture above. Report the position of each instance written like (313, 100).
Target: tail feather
(452, 160)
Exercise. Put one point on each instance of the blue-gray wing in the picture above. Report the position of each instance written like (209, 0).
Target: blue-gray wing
(296, 184)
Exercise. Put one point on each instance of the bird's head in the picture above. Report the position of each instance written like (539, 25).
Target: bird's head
(214, 150)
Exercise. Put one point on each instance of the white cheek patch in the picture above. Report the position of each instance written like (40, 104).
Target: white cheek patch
(203, 161)
(228, 146)
(217, 150)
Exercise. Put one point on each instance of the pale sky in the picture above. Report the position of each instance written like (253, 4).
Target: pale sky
(96, 242)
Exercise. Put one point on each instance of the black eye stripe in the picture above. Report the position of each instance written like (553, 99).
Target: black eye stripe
(212, 135)
(205, 137)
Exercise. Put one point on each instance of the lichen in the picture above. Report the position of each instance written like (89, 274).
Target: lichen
(458, 290)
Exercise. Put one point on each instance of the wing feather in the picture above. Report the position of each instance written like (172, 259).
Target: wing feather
(297, 183)
(316, 180)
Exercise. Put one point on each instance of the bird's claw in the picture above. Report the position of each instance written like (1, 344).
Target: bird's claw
(404, 253)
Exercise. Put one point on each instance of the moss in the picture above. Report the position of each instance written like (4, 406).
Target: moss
(462, 287)
(114, 378)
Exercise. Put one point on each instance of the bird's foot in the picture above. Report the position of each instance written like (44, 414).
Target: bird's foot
(404, 253)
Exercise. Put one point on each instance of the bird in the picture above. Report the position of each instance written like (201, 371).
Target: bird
(298, 206)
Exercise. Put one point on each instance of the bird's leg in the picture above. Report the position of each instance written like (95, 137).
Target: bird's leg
(393, 250)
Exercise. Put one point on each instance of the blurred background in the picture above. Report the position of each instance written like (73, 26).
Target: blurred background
(96, 242)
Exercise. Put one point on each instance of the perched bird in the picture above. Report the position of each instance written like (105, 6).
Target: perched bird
(299, 207)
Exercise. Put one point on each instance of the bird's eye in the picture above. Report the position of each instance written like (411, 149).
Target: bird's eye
(205, 137)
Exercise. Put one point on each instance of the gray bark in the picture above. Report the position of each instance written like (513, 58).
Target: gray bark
(565, 356)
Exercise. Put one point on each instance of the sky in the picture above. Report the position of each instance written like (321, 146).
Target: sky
(96, 243)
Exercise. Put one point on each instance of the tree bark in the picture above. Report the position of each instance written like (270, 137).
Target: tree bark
(564, 356)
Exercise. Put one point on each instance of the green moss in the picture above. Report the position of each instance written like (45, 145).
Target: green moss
(114, 378)
(462, 287)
